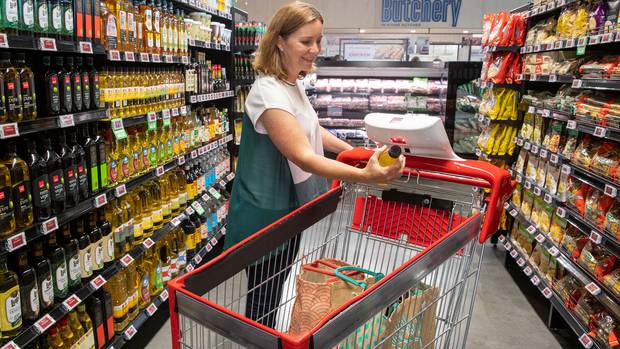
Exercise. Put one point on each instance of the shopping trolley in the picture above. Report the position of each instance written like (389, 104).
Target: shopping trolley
(419, 231)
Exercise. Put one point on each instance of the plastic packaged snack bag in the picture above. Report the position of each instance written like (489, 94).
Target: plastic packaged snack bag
(552, 178)
(580, 23)
(519, 30)
(596, 17)
(487, 27)
(527, 129)
(571, 143)
(516, 196)
(536, 211)
(606, 160)
(528, 202)
(553, 136)
(573, 241)
(521, 160)
(612, 220)
(558, 226)
(577, 194)
(532, 168)
(612, 280)
(597, 205)
(539, 129)
(501, 21)
(597, 259)
(541, 172)
(546, 214)
(563, 186)
(585, 151)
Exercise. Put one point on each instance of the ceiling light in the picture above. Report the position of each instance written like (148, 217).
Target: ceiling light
(465, 31)
(362, 30)
(412, 31)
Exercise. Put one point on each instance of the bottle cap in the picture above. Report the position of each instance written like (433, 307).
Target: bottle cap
(395, 151)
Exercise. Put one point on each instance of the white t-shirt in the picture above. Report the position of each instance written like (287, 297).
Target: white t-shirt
(269, 92)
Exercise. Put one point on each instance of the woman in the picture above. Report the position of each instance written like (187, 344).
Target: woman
(281, 164)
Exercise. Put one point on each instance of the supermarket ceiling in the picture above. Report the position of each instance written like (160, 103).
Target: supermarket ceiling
(387, 16)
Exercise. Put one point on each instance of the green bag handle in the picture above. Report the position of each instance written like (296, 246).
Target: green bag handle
(360, 284)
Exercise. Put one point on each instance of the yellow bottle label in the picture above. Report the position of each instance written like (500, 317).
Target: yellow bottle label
(147, 223)
(157, 216)
(137, 230)
(175, 203)
(10, 309)
(190, 241)
(166, 209)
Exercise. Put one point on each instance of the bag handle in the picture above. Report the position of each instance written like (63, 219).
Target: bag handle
(360, 284)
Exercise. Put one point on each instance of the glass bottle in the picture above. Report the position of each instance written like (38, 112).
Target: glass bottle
(69, 163)
(147, 216)
(90, 158)
(66, 88)
(43, 269)
(109, 27)
(81, 164)
(28, 94)
(84, 83)
(20, 185)
(65, 332)
(121, 15)
(12, 88)
(85, 249)
(146, 10)
(67, 18)
(52, 87)
(29, 288)
(56, 176)
(138, 217)
(117, 286)
(112, 157)
(9, 18)
(42, 20)
(101, 155)
(156, 203)
(133, 283)
(76, 83)
(72, 256)
(139, 24)
(107, 236)
(142, 271)
(125, 155)
(55, 341)
(96, 252)
(56, 15)
(95, 90)
(84, 318)
(164, 24)
(75, 325)
(157, 26)
(58, 262)
(131, 26)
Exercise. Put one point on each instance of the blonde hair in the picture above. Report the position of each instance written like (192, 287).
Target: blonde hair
(285, 21)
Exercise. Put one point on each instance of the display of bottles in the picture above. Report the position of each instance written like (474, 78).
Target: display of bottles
(20, 185)
(52, 87)
(241, 94)
(56, 176)
(249, 33)
(72, 256)
(69, 168)
(29, 288)
(204, 77)
(11, 89)
(243, 69)
(28, 94)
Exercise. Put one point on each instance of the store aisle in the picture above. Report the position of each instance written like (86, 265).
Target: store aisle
(503, 318)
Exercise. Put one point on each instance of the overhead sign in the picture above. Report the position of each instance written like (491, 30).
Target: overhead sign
(420, 12)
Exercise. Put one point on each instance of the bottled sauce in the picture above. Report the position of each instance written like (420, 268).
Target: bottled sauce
(52, 87)
(56, 176)
(72, 256)
(76, 84)
(65, 332)
(29, 288)
(65, 87)
(28, 94)
(20, 186)
(69, 164)
(55, 340)
(95, 89)
(12, 88)
(43, 269)
(81, 164)
(58, 262)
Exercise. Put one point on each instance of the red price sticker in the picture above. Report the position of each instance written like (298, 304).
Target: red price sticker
(114, 55)
(193, 154)
(181, 160)
(155, 58)
(189, 210)
(4, 41)
(561, 212)
(183, 110)
(543, 153)
(160, 171)
(502, 238)
(66, 121)
(230, 176)
(209, 247)
(547, 292)
(49, 225)
(513, 212)
(148, 243)
(164, 295)
(130, 332)
(537, 191)
(540, 238)
(535, 280)
(151, 309)
(527, 146)
(174, 111)
(97, 282)
(44, 323)
(554, 251)
(144, 57)
(527, 185)
(593, 289)
(100, 200)
(506, 205)
(520, 142)
(120, 190)
(558, 44)
(11, 344)
(586, 341)
(611, 190)
(213, 241)
(197, 259)
(130, 57)
(520, 262)
(71, 302)
(527, 271)
(531, 229)
(206, 198)
(9, 130)
(86, 47)
(514, 253)
(189, 268)
(546, 112)
(126, 260)
(554, 158)
(577, 83)
(548, 198)
(175, 221)
(507, 246)
(595, 237)
(600, 131)
(566, 169)
(16, 241)
(185, 60)
(47, 44)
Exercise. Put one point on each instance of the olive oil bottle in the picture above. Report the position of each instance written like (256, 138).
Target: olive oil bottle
(20, 183)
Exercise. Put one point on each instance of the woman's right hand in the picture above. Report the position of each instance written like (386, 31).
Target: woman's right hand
(375, 173)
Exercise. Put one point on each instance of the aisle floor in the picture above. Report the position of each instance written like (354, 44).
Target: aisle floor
(503, 318)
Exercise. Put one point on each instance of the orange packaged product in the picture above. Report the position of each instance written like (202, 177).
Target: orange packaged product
(487, 26)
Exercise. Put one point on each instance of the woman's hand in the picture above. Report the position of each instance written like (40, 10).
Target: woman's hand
(375, 173)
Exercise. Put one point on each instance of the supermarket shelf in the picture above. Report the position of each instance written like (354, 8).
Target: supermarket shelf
(538, 191)
(29, 42)
(597, 181)
(606, 132)
(551, 113)
(486, 84)
(208, 45)
(122, 56)
(597, 84)
(130, 331)
(603, 294)
(21, 128)
(481, 153)
(207, 97)
(597, 235)
(48, 320)
(610, 38)
(489, 49)
(158, 115)
(560, 79)
(24, 237)
(540, 283)
(487, 120)
(547, 9)
(245, 48)
(191, 5)
(540, 151)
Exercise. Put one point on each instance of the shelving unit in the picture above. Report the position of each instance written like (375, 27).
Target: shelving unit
(16, 129)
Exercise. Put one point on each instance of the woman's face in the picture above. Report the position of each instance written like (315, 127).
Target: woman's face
(299, 50)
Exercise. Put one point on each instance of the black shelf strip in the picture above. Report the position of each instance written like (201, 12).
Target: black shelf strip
(378, 93)
(604, 295)
(30, 42)
(191, 5)
(30, 334)
(128, 56)
(240, 82)
(10, 130)
(597, 84)
(551, 78)
(143, 119)
(487, 120)
(207, 97)
(541, 284)
(208, 45)
(245, 48)
(488, 49)
(488, 84)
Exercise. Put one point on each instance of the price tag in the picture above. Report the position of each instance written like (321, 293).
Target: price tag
(230, 176)
(595, 237)
(513, 212)
(529, 49)
(607, 38)
(540, 238)
(547, 292)
(527, 146)
(151, 119)
(520, 142)
(174, 112)
(181, 160)
(480, 117)
(214, 241)
(554, 158)
(611, 190)
(546, 113)
(48, 44)
(537, 48)
(190, 268)
(593, 289)
(192, 42)
(175, 221)
(201, 151)
(543, 153)
(189, 210)
(166, 117)
(114, 55)
(570, 43)
(183, 110)
(205, 198)
(130, 332)
(507, 246)
(527, 271)
(214, 193)
(4, 41)
(519, 178)
(197, 259)
(548, 198)
(66, 121)
(193, 154)
(160, 171)
(593, 40)
(16, 241)
(533, 77)
(168, 59)
(148, 243)
(193, 99)
(561, 212)
(185, 60)
(537, 191)
(534, 149)
(554, 251)
(208, 247)
(558, 44)
(520, 262)
(531, 229)
(155, 58)
(97, 282)
(71, 302)
(586, 341)
(514, 254)
(549, 46)
(198, 207)
(9, 130)
(577, 83)
(535, 280)
(49, 225)
(100, 200)
(130, 56)
(571, 124)
(44, 323)
(502, 238)
(600, 131)
(120, 190)
(144, 57)
(11, 344)
(566, 169)
(126, 260)
(118, 129)
(582, 41)
(151, 309)
(527, 185)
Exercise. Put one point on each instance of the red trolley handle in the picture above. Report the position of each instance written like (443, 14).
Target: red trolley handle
(480, 173)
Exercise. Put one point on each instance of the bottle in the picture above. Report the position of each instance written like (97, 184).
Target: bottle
(136, 164)
(109, 27)
(12, 88)
(72, 256)
(112, 157)
(117, 286)
(76, 83)
(94, 88)
(28, 94)
(67, 18)
(157, 26)
(139, 25)
(69, 163)
(9, 19)
(133, 283)
(89, 148)
(146, 10)
(42, 20)
(131, 26)
(66, 89)
(390, 156)
(147, 216)
(156, 205)
(65, 332)
(82, 166)
(75, 325)
(125, 155)
(96, 252)
(155, 274)
(55, 341)
(52, 87)
(43, 269)
(29, 288)
(107, 237)
(94, 311)
(20, 185)
(138, 217)
(87, 324)
(164, 23)
(58, 262)
(85, 249)
(56, 17)
(56, 176)
(144, 292)
(101, 156)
